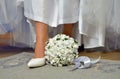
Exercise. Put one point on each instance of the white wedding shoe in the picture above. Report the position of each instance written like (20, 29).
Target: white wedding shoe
(36, 62)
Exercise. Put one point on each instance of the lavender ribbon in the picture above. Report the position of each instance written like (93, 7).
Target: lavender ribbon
(83, 62)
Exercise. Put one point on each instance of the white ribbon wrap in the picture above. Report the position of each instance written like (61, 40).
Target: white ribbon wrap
(84, 62)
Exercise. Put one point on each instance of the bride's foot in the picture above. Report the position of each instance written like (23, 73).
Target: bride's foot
(36, 62)
(81, 48)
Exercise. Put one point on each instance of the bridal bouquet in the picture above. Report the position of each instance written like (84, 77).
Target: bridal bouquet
(61, 50)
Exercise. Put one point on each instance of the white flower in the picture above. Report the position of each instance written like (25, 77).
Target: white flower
(61, 50)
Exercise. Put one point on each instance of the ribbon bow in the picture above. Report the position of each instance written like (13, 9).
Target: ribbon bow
(84, 62)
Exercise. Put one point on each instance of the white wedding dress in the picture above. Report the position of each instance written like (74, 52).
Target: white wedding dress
(52, 12)
(96, 19)
(93, 20)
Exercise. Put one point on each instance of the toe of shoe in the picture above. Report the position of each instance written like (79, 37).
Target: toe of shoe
(36, 62)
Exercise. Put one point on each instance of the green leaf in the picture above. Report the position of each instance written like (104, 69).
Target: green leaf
(58, 39)
(48, 47)
(65, 38)
(75, 41)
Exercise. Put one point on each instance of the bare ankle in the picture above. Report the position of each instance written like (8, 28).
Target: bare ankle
(39, 56)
